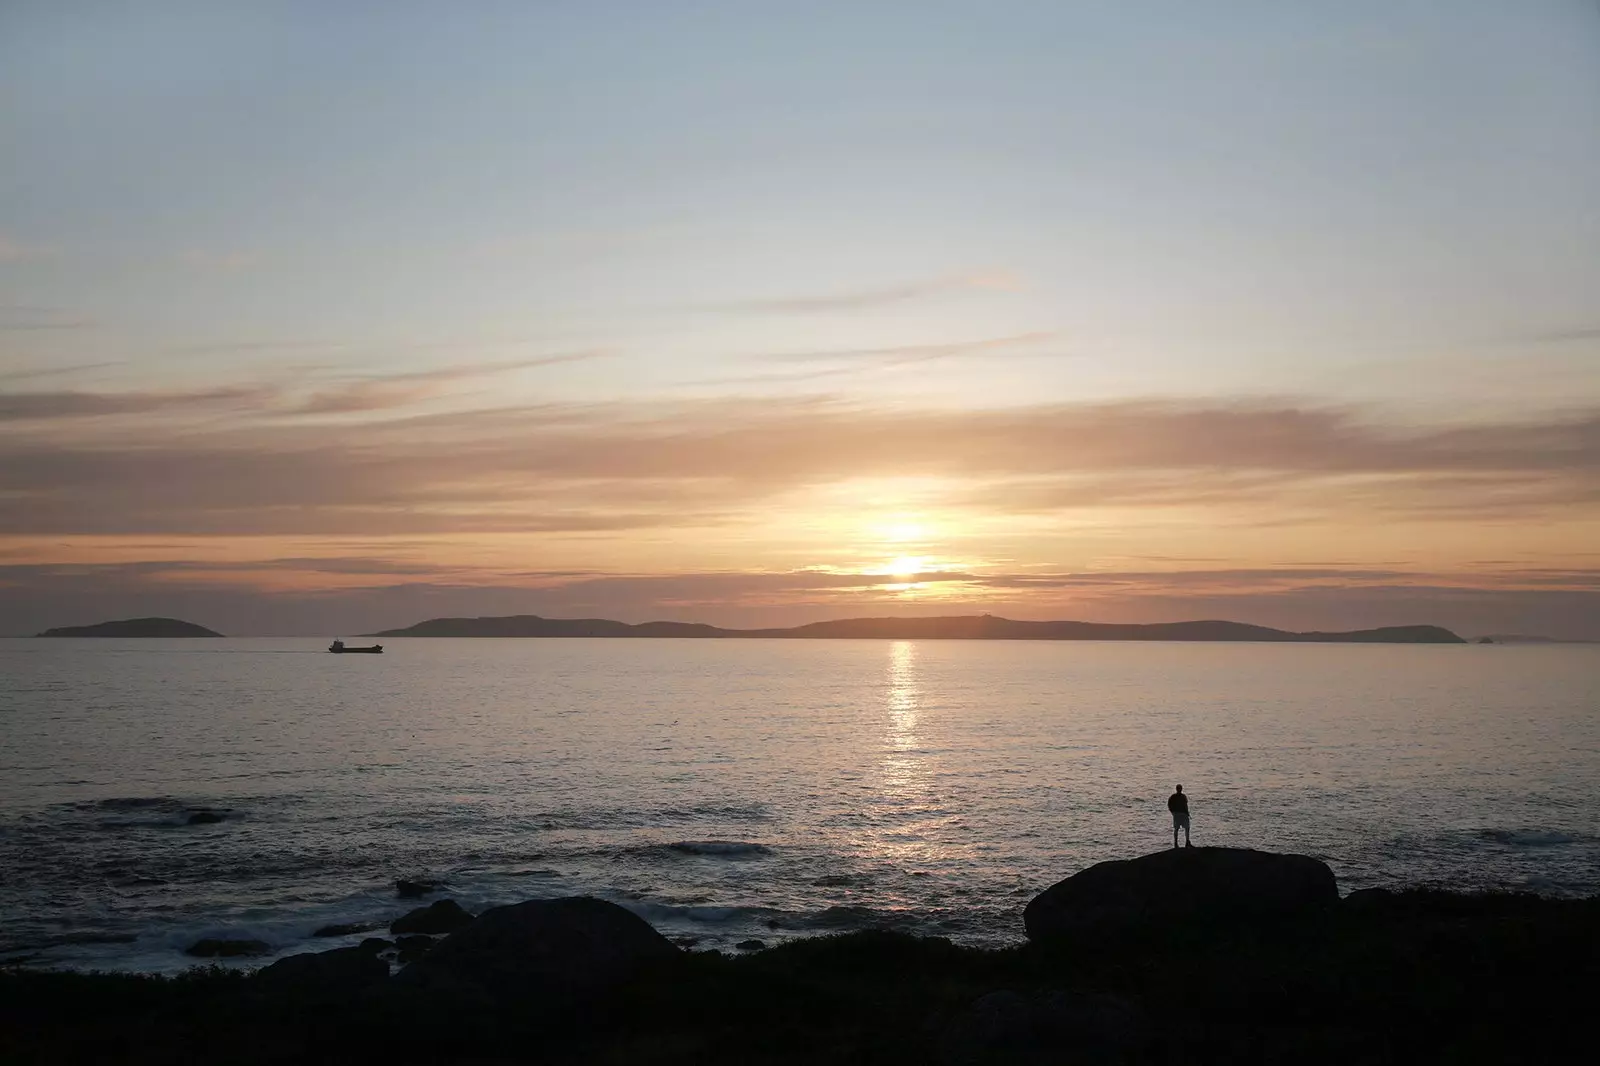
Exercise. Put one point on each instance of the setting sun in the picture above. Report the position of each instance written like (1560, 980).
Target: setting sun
(907, 566)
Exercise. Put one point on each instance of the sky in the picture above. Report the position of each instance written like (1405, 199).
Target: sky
(318, 319)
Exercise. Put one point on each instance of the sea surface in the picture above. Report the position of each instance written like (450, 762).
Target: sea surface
(727, 790)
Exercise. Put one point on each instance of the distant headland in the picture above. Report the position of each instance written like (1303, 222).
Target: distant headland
(135, 627)
(959, 627)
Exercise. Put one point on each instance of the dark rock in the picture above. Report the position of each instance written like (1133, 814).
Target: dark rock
(346, 929)
(1368, 899)
(205, 818)
(1006, 1026)
(440, 916)
(337, 974)
(376, 943)
(415, 889)
(751, 945)
(222, 948)
(552, 949)
(1187, 884)
(412, 948)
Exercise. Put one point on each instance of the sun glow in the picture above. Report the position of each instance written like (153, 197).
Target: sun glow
(907, 566)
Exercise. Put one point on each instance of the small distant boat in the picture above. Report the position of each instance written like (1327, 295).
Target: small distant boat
(338, 648)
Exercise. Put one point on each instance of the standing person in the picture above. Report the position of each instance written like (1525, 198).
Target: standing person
(1178, 804)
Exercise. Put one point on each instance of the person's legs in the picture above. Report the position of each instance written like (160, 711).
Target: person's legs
(1185, 834)
(1174, 830)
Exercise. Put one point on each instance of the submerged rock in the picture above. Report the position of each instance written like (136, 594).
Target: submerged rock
(1181, 884)
(415, 889)
(440, 916)
(345, 929)
(206, 818)
(223, 948)
(547, 948)
(751, 945)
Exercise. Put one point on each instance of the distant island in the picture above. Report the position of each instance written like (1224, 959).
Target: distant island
(135, 627)
(1521, 638)
(960, 627)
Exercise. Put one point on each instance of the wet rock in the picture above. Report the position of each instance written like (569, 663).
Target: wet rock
(751, 945)
(552, 950)
(1180, 885)
(337, 974)
(224, 948)
(440, 916)
(411, 948)
(415, 889)
(206, 818)
(347, 929)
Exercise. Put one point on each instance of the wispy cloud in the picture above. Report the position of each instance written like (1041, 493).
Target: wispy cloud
(262, 399)
(872, 298)
(54, 371)
(636, 466)
(399, 390)
(900, 355)
(14, 250)
(25, 318)
(224, 262)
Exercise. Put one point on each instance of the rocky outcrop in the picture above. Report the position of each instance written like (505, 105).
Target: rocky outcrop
(337, 974)
(224, 948)
(440, 916)
(1181, 884)
(549, 950)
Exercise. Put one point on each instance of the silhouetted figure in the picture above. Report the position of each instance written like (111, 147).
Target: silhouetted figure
(1178, 804)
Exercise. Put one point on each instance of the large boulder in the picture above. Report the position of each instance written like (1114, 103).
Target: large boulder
(1181, 884)
(548, 949)
(337, 974)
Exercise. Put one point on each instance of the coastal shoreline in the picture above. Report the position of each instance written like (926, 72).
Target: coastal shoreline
(1406, 976)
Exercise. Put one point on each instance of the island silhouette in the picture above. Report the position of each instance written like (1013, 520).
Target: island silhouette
(134, 627)
(956, 627)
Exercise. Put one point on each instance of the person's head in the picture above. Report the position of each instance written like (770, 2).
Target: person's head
(1180, 788)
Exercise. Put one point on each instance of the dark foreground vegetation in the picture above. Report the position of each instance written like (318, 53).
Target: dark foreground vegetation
(1412, 977)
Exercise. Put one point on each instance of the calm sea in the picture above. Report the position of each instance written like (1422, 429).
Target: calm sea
(740, 789)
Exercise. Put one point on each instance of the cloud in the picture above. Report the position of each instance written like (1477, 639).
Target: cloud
(399, 390)
(912, 353)
(28, 319)
(263, 399)
(610, 467)
(13, 250)
(226, 262)
(872, 298)
(34, 406)
(53, 371)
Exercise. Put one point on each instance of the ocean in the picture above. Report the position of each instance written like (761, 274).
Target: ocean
(751, 789)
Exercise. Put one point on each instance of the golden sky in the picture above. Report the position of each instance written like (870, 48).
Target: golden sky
(311, 325)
